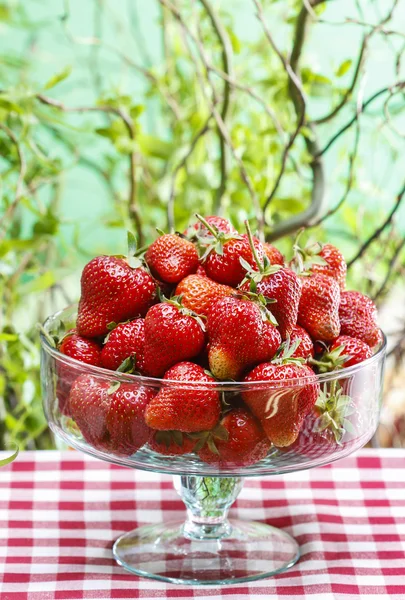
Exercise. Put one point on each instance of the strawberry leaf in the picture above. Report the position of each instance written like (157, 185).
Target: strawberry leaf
(132, 244)
(113, 387)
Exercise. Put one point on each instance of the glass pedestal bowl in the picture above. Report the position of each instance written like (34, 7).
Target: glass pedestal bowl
(208, 548)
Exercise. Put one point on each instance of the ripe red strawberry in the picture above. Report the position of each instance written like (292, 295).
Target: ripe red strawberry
(112, 291)
(239, 336)
(184, 407)
(222, 259)
(201, 271)
(126, 418)
(305, 349)
(226, 267)
(199, 293)
(283, 405)
(333, 424)
(273, 254)
(171, 258)
(358, 318)
(335, 265)
(171, 443)
(81, 348)
(126, 339)
(284, 287)
(172, 334)
(245, 442)
(353, 349)
(219, 223)
(110, 418)
(318, 310)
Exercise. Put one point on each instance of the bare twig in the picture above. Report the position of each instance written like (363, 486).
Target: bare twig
(227, 59)
(21, 174)
(299, 101)
(181, 164)
(133, 209)
(399, 85)
(212, 108)
(349, 183)
(390, 269)
(379, 229)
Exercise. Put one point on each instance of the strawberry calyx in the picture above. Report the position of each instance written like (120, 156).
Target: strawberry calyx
(331, 360)
(128, 365)
(333, 407)
(285, 354)
(177, 301)
(261, 302)
(304, 258)
(208, 438)
(214, 243)
(264, 266)
(169, 437)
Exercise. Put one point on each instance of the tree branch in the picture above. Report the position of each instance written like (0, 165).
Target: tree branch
(399, 85)
(133, 209)
(380, 229)
(227, 59)
(181, 164)
(21, 174)
(299, 102)
(390, 269)
(349, 184)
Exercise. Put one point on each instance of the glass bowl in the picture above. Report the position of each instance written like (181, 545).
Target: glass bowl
(208, 548)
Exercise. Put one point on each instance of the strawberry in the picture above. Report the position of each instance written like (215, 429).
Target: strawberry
(318, 310)
(171, 443)
(305, 348)
(173, 333)
(110, 416)
(222, 258)
(201, 271)
(185, 408)
(171, 258)
(358, 318)
(273, 254)
(217, 223)
(335, 265)
(283, 405)
(239, 335)
(323, 259)
(81, 348)
(279, 283)
(126, 339)
(284, 287)
(126, 417)
(88, 404)
(114, 289)
(245, 442)
(352, 350)
(199, 293)
(333, 424)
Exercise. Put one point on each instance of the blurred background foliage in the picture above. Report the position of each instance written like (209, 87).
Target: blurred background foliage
(135, 114)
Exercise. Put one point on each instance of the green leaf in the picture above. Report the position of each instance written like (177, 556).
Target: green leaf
(58, 77)
(8, 337)
(132, 244)
(344, 67)
(39, 284)
(155, 147)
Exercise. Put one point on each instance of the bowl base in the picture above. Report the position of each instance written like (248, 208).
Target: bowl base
(250, 550)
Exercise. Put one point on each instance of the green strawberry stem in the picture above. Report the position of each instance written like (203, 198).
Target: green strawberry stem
(259, 263)
(210, 228)
(9, 459)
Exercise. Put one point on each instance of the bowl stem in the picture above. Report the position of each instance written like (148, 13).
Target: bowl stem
(208, 500)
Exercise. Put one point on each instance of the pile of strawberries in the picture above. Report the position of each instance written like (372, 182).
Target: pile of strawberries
(214, 305)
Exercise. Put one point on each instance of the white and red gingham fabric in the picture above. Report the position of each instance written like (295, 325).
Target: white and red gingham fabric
(61, 512)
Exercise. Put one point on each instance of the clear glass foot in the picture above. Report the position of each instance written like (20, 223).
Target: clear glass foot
(208, 548)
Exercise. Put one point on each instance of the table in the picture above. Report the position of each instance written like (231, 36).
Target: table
(61, 511)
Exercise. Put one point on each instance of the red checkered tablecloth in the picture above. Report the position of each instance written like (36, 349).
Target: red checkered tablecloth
(61, 511)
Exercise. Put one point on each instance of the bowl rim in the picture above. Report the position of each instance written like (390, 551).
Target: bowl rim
(221, 385)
